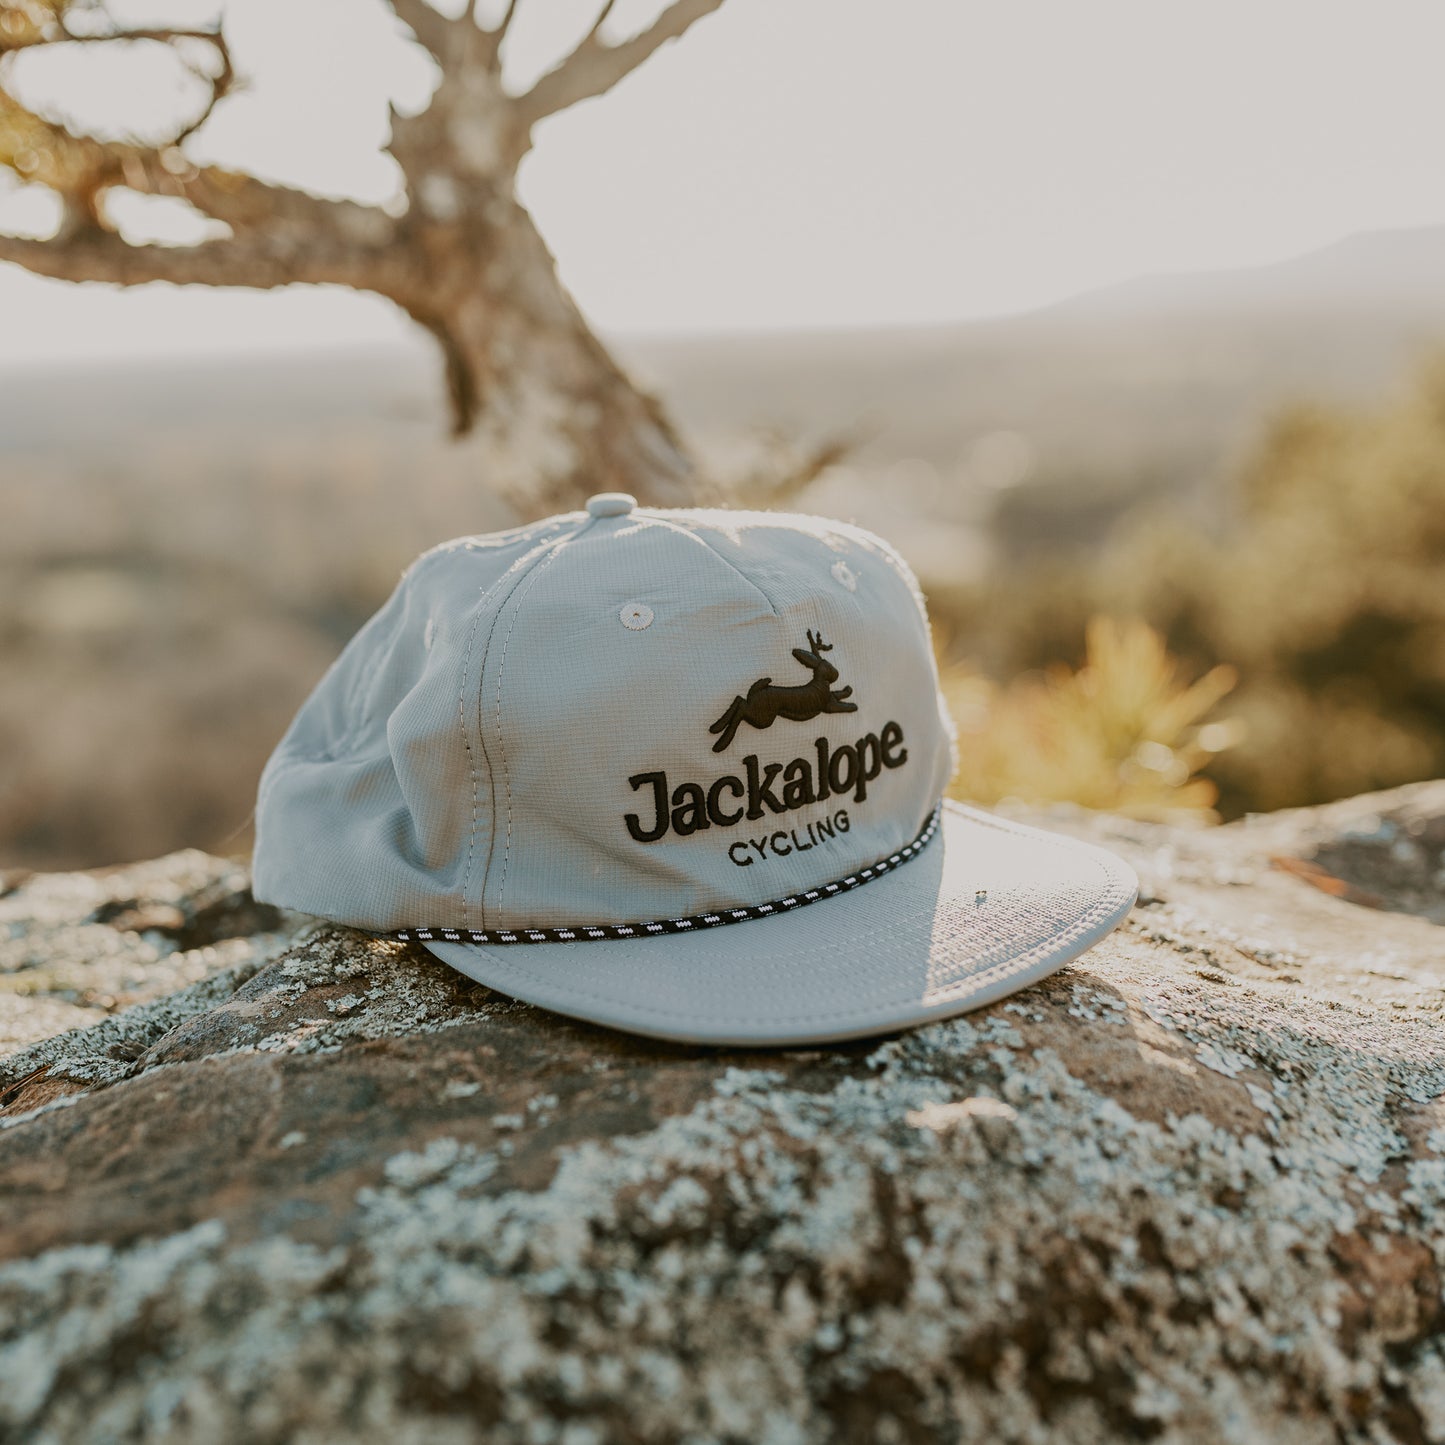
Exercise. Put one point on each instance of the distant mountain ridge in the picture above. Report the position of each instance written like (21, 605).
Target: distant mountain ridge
(1155, 385)
(1379, 270)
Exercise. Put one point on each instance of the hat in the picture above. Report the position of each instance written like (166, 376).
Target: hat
(677, 772)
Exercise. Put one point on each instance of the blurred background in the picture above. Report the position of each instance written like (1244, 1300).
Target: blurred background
(1121, 321)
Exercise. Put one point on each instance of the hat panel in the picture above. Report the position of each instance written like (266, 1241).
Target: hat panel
(370, 807)
(626, 788)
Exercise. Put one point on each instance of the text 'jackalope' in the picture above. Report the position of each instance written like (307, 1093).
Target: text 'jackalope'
(775, 787)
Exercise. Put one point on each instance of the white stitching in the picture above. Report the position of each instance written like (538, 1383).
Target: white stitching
(546, 534)
(727, 562)
(555, 933)
(1081, 926)
(471, 757)
(976, 982)
(501, 737)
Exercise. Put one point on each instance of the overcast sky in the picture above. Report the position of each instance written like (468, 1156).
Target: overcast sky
(815, 163)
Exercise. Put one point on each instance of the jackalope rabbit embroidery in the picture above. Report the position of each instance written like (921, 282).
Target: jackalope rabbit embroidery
(765, 704)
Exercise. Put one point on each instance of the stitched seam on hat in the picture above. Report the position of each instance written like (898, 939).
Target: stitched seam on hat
(552, 546)
(471, 757)
(732, 566)
(501, 736)
(485, 598)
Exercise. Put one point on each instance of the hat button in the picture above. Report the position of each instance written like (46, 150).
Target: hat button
(611, 504)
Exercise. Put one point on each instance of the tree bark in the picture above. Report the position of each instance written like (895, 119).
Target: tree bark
(553, 413)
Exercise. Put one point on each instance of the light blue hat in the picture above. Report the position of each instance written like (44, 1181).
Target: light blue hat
(567, 757)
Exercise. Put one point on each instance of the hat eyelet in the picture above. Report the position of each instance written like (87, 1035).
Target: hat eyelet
(635, 616)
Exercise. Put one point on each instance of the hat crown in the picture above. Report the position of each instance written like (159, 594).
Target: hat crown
(612, 716)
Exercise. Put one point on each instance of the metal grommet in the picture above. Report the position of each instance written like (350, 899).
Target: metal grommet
(845, 575)
(635, 616)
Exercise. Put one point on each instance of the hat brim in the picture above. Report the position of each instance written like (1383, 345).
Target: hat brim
(987, 908)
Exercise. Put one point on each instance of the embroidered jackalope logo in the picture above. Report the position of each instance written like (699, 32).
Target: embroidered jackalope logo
(765, 703)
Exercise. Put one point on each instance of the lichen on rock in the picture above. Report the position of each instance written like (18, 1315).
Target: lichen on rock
(1190, 1189)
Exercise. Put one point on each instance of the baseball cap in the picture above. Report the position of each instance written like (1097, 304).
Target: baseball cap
(678, 772)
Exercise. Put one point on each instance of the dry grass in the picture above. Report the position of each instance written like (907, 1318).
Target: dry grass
(1125, 733)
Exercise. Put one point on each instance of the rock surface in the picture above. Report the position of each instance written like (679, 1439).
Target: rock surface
(284, 1182)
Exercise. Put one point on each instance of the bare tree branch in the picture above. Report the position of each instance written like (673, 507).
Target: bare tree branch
(599, 22)
(220, 85)
(245, 203)
(433, 31)
(62, 35)
(278, 233)
(25, 27)
(505, 23)
(28, 27)
(593, 68)
(81, 169)
(92, 255)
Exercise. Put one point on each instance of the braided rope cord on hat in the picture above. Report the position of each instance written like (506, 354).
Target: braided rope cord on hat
(591, 932)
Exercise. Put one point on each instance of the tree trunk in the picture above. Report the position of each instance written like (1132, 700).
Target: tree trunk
(552, 412)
